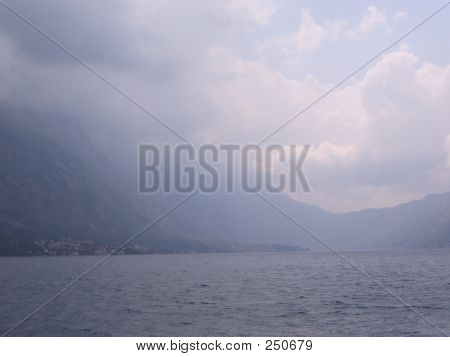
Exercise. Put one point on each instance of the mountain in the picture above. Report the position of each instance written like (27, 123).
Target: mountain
(423, 223)
(55, 186)
(46, 192)
(247, 218)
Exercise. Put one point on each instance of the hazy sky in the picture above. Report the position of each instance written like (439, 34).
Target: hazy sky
(232, 71)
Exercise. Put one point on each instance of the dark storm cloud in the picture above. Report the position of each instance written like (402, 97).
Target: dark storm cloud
(99, 32)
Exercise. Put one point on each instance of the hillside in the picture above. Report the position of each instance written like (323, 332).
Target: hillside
(54, 185)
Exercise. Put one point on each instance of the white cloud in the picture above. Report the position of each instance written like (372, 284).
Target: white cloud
(256, 11)
(290, 51)
(374, 19)
(310, 34)
(385, 133)
(328, 154)
(400, 15)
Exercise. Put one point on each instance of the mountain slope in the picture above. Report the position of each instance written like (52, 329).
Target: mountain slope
(54, 185)
(47, 193)
(247, 218)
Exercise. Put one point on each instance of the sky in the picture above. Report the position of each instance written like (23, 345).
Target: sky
(234, 71)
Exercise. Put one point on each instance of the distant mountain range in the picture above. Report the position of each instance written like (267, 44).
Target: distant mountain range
(55, 186)
(247, 218)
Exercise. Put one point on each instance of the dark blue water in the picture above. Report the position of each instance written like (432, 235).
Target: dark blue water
(256, 294)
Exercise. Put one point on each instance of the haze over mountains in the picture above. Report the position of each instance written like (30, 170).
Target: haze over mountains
(55, 185)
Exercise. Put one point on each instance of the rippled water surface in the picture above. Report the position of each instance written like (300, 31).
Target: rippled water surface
(256, 294)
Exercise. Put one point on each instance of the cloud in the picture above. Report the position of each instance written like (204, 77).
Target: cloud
(255, 11)
(291, 51)
(386, 132)
(205, 68)
(328, 154)
(310, 34)
(400, 15)
(402, 142)
(374, 19)
(447, 149)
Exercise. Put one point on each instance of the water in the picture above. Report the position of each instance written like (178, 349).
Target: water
(254, 294)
